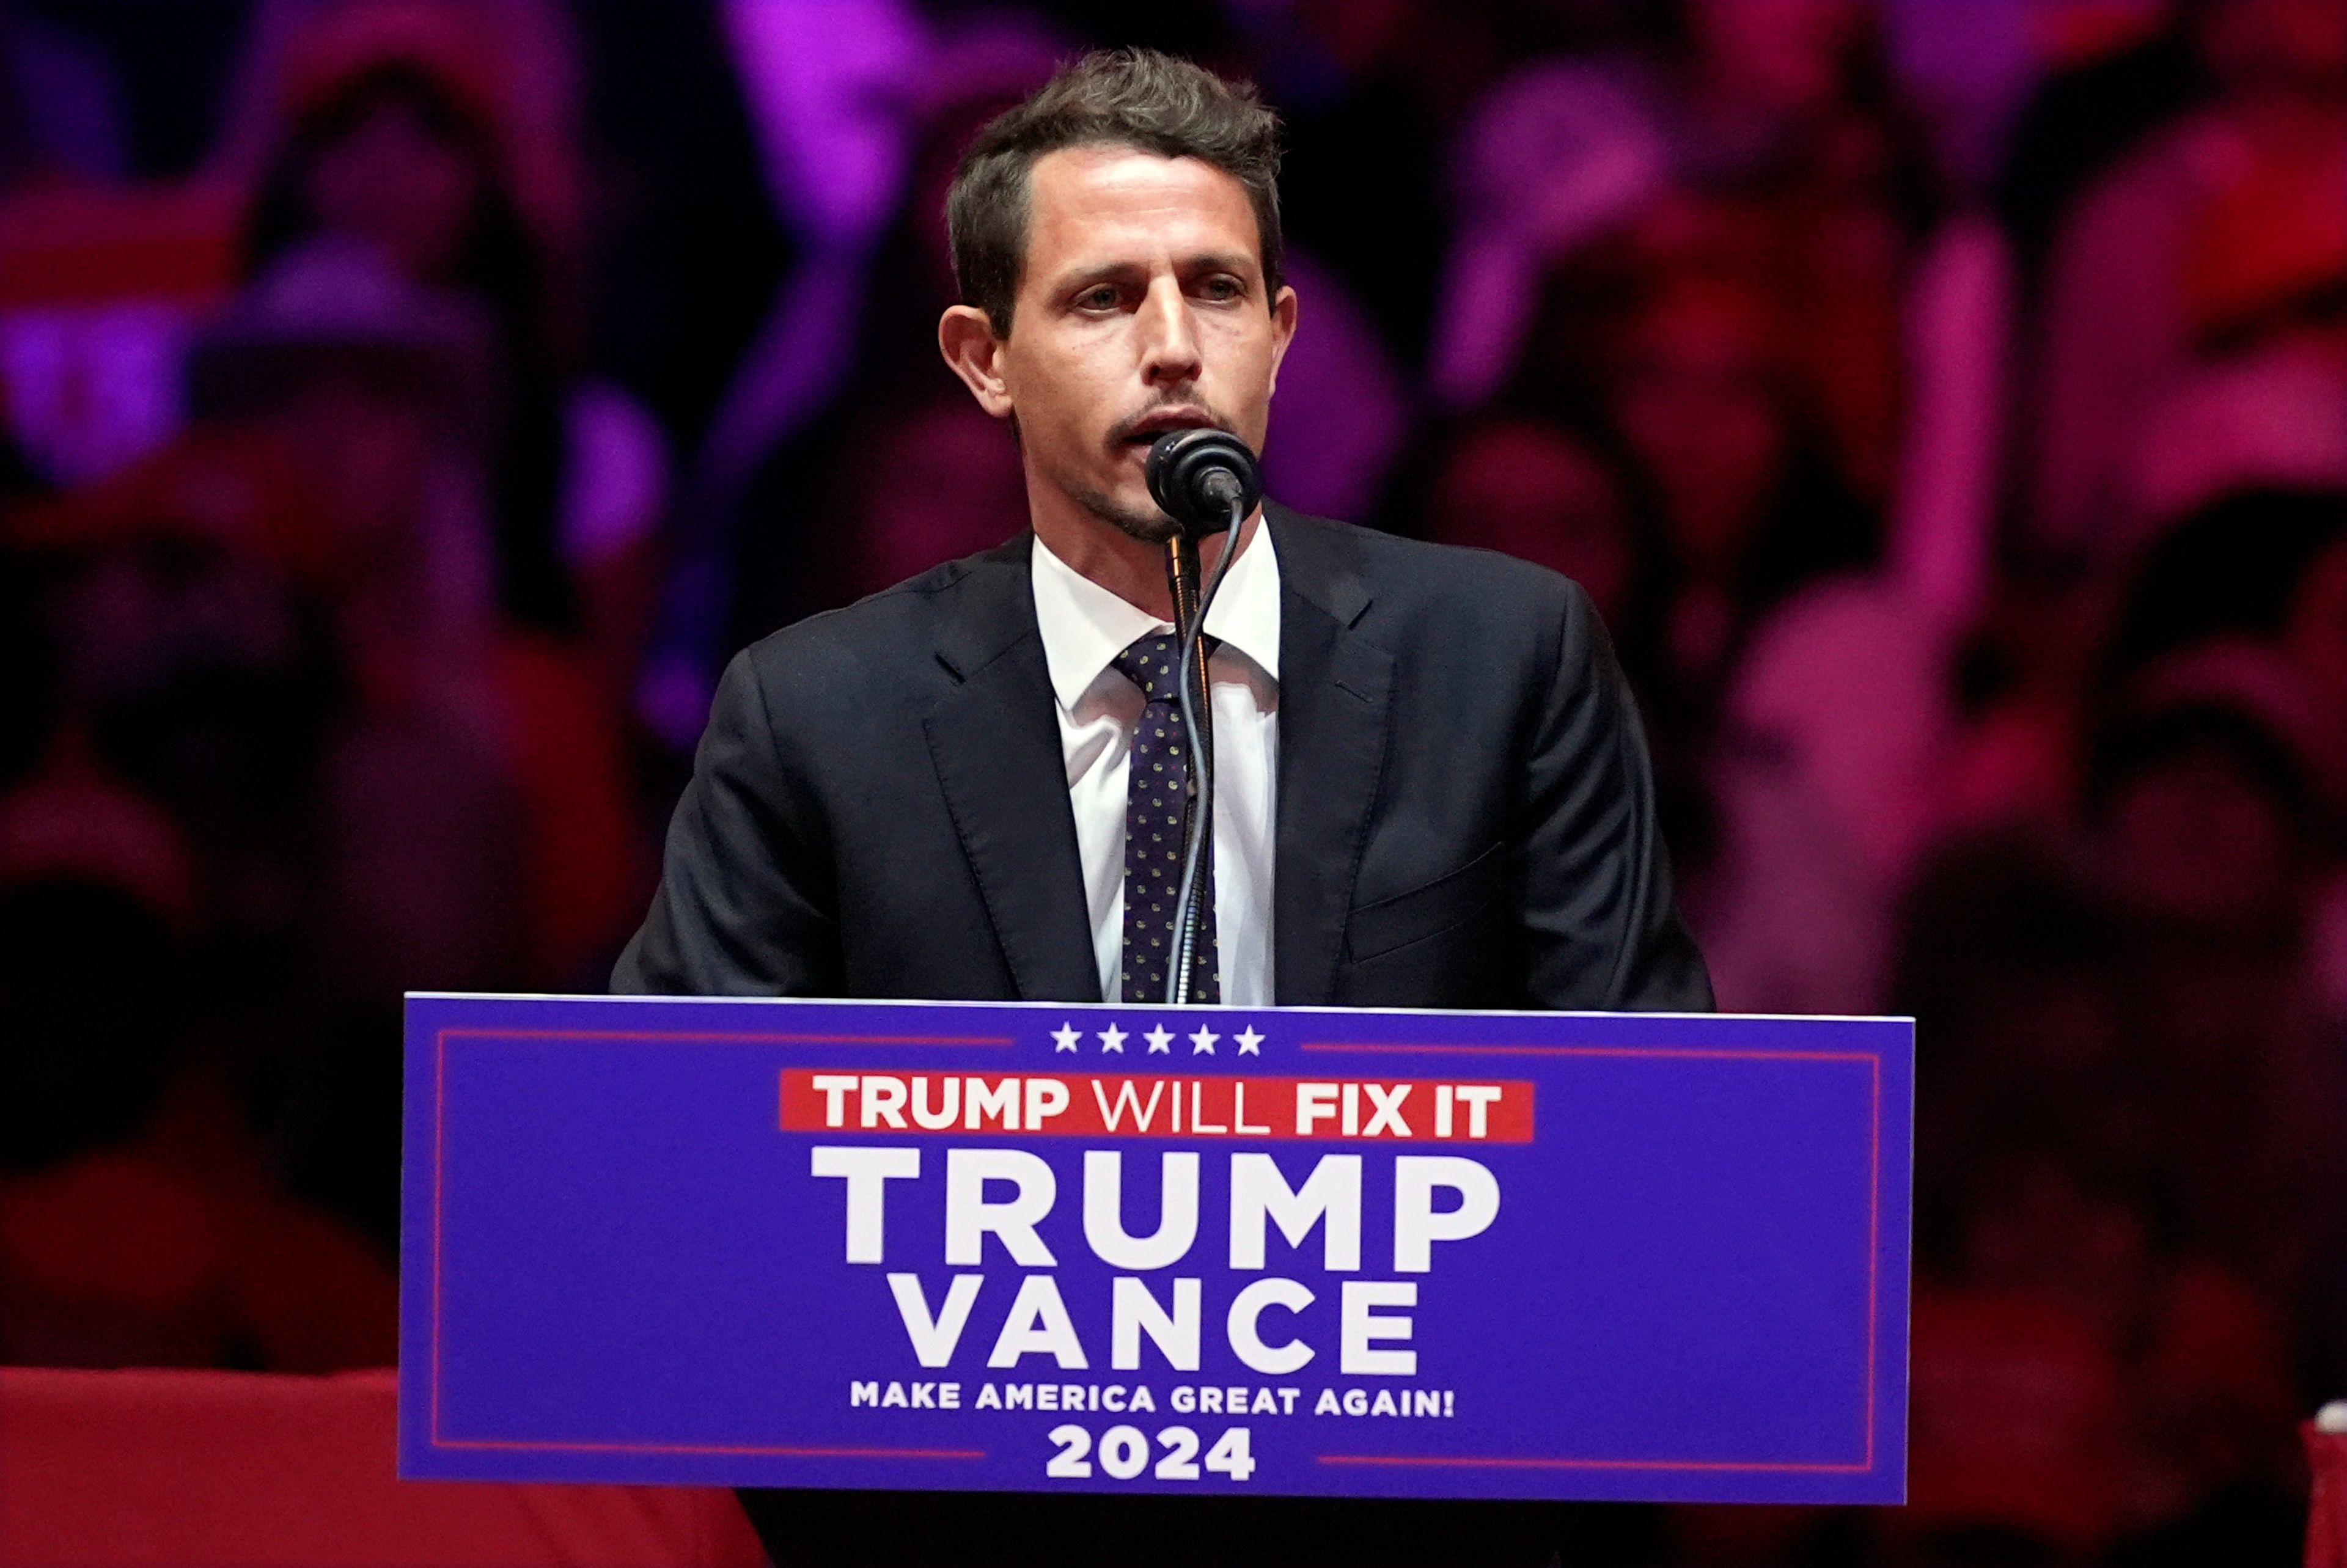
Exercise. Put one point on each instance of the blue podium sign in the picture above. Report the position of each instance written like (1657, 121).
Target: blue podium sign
(1033, 1247)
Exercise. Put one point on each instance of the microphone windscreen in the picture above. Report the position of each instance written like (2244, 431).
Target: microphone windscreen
(1196, 475)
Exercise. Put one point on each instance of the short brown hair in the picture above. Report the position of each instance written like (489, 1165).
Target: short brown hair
(1133, 97)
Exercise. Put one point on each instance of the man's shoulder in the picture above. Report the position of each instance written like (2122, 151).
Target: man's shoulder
(907, 642)
(1413, 582)
(900, 634)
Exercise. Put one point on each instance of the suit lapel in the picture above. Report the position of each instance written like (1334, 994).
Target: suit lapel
(996, 746)
(1335, 687)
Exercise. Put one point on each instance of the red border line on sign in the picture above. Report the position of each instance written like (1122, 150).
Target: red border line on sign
(439, 1187)
(1454, 1462)
(1873, 1248)
(527, 1443)
(671, 1038)
(1874, 1185)
(1873, 1233)
(1677, 1053)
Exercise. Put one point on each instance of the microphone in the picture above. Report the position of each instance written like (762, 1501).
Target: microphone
(1205, 479)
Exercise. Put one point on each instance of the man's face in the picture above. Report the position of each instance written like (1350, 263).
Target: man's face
(1142, 309)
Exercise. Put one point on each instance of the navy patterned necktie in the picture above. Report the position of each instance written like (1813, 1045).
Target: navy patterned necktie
(1156, 810)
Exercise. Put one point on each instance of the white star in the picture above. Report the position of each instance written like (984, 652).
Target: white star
(1113, 1038)
(1067, 1034)
(1250, 1042)
(1161, 1041)
(1203, 1042)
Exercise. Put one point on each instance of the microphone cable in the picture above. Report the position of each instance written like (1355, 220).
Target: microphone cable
(1186, 915)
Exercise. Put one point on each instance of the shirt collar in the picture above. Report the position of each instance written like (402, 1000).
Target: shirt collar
(1085, 626)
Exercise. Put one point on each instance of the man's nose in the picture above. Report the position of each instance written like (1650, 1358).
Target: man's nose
(1169, 338)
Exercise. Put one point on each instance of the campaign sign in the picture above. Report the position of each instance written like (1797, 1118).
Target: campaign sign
(1212, 1251)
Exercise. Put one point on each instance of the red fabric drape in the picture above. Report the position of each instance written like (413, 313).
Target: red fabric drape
(112, 1470)
(2326, 1523)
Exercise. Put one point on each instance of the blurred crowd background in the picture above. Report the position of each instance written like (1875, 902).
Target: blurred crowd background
(408, 407)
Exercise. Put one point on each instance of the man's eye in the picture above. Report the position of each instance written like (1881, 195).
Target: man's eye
(1223, 289)
(1102, 298)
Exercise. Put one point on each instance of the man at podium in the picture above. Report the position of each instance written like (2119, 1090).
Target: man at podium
(1431, 786)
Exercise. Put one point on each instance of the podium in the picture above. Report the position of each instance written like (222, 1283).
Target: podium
(1042, 1247)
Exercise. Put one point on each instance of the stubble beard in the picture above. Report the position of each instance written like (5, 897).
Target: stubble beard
(1149, 525)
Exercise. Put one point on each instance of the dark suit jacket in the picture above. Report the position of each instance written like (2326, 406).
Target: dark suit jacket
(1465, 819)
(1465, 814)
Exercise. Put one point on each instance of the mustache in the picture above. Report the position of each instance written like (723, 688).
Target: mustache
(1128, 427)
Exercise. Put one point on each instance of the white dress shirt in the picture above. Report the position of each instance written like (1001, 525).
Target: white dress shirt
(1085, 627)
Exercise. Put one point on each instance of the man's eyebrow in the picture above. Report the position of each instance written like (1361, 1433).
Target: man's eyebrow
(1084, 275)
(1222, 261)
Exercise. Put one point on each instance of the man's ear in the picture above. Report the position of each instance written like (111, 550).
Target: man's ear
(1283, 330)
(967, 340)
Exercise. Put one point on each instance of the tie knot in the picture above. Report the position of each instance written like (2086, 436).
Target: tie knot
(1149, 664)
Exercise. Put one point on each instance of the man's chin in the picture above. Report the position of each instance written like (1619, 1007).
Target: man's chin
(1145, 522)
